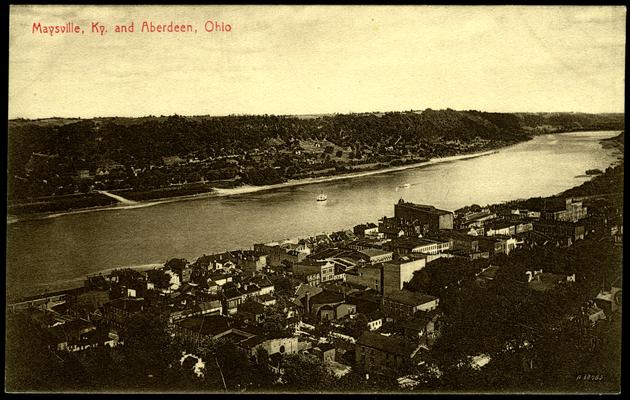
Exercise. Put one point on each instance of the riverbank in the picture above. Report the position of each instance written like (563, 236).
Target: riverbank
(306, 181)
(220, 192)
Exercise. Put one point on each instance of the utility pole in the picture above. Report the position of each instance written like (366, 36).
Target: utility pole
(221, 372)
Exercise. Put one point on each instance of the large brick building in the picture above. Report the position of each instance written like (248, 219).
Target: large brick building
(378, 353)
(569, 212)
(429, 218)
(403, 303)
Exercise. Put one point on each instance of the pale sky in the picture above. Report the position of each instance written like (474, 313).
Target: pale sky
(317, 59)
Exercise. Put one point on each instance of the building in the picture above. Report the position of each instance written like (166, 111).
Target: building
(419, 245)
(281, 346)
(477, 219)
(325, 352)
(116, 313)
(375, 321)
(500, 228)
(368, 302)
(459, 240)
(367, 243)
(376, 353)
(278, 255)
(249, 261)
(496, 244)
(376, 256)
(560, 229)
(316, 272)
(88, 298)
(572, 212)
(486, 275)
(428, 217)
(389, 228)
(328, 305)
(252, 312)
(396, 273)
(403, 303)
(369, 277)
(232, 298)
(369, 229)
(78, 335)
(196, 330)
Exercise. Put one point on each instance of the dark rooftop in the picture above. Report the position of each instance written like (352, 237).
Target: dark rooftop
(208, 325)
(409, 298)
(252, 307)
(386, 344)
(423, 207)
(252, 342)
(326, 297)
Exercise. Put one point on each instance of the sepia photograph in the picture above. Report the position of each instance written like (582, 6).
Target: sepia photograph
(314, 199)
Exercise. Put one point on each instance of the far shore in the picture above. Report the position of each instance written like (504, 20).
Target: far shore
(218, 192)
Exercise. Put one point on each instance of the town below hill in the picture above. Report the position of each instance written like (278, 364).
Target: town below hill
(59, 164)
(522, 297)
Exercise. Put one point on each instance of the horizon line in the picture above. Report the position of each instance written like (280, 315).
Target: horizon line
(308, 114)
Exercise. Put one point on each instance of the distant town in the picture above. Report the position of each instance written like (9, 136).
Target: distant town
(524, 295)
(62, 164)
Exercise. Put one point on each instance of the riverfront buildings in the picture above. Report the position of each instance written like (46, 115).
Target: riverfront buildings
(349, 299)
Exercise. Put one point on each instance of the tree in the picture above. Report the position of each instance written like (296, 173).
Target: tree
(176, 263)
(126, 276)
(305, 373)
(159, 278)
(147, 349)
(358, 325)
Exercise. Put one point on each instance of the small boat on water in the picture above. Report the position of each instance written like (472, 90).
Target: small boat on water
(322, 197)
(405, 186)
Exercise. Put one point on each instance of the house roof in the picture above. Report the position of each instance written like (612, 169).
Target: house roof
(327, 297)
(410, 243)
(207, 325)
(132, 305)
(423, 207)
(370, 252)
(266, 297)
(335, 287)
(208, 305)
(303, 289)
(387, 344)
(252, 341)
(232, 293)
(489, 273)
(324, 347)
(252, 307)
(409, 298)
(415, 324)
(250, 288)
(451, 234)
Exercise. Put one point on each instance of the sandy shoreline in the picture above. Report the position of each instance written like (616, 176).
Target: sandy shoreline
(217, 192)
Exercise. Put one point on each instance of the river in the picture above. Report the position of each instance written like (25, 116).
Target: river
(55, 253)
